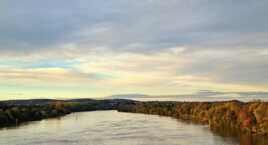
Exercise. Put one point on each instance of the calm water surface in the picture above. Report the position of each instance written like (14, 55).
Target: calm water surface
(110, 128)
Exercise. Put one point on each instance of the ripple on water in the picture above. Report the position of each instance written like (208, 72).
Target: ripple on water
(111, 128)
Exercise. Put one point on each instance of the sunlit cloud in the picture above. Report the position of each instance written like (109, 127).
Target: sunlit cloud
(98, 48)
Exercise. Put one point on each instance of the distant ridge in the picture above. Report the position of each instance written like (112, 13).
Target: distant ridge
(201, 93)
(125, 96)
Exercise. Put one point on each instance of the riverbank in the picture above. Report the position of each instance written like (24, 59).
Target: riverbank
(15, 112)
(235, 116)
(239, 117)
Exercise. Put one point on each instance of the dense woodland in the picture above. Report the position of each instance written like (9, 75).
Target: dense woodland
(15, 112)
(233, 116)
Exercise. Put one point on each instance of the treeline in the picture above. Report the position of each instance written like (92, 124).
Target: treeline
(10, 115)
(233, 116)
(15, 112)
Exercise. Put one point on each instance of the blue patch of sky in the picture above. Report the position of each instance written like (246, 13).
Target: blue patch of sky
(55, 64)
(52, 64)
(39, 64)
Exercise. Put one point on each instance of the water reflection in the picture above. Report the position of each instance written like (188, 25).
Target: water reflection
(115, 128)
(243, 139)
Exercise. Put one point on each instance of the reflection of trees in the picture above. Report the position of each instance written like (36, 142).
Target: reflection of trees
(231, 117)
(246, 140)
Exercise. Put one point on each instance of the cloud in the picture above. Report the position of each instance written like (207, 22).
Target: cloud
(244, 66)
(120, 25)
(172, 44)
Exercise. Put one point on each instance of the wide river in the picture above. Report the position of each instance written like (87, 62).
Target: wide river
(111, 128)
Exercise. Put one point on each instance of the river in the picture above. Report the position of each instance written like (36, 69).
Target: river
(111, 128)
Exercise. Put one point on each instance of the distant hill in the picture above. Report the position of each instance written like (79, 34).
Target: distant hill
(126, 96)
(203, 94)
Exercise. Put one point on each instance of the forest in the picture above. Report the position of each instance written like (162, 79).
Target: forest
(235, 116)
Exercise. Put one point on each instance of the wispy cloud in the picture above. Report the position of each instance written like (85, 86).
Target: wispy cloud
(150, 46)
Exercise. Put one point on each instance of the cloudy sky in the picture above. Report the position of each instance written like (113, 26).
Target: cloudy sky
(79, 48)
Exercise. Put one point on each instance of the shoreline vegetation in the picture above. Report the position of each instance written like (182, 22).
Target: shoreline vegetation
(232, 116)
(238, 117)
(14, 112)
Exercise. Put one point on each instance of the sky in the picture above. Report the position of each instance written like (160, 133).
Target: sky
(96, 48)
